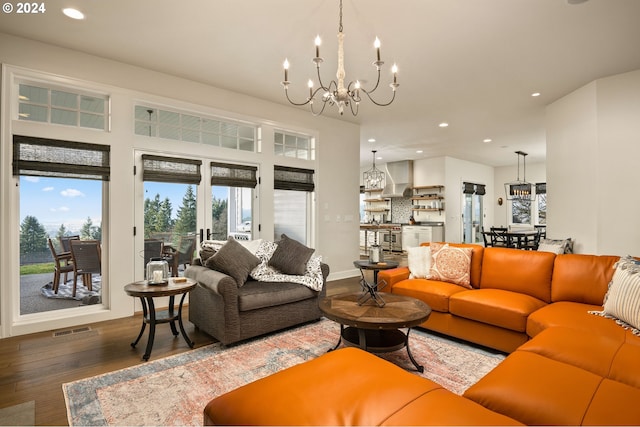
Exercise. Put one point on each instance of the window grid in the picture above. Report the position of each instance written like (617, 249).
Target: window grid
(178, 126)
(296, 146)
(39, 103)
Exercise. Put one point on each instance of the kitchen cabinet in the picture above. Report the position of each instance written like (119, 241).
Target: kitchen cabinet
(414, 235)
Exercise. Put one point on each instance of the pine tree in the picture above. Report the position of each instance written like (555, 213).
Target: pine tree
(33, 236)
(186, 220)
(62, 231)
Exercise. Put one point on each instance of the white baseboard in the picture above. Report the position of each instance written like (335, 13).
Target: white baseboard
(345, 274)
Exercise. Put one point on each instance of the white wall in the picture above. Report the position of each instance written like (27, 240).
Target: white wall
(336, 207)
(592, 166)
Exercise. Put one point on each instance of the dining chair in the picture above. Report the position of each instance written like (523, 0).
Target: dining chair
(64, 242)
(63, 265)
(182, 255)
(486, 237)
(499, 237)
(86, 256)
(533, 242)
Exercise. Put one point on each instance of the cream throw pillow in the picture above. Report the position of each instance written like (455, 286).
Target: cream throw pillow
(451, 264)
(419, 260)
(622, 301)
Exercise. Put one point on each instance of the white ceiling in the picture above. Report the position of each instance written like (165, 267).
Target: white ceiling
(471, 63)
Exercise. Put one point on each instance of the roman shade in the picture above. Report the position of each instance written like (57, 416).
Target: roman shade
(231, 175)
(170, 169)
(58, 158)
(287, 178)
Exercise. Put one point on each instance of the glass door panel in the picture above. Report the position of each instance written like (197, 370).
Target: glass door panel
(54, 211)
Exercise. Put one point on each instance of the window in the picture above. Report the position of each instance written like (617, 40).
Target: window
(541, 202)
(63, 107)
(61, 192)
(296, 146)
(292, 199)
(179, 126)
(232, 200)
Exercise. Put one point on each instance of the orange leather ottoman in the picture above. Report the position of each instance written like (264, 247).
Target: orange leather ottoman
(346, 387)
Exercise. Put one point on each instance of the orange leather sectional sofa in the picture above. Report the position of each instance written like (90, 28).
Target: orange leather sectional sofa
(565, 367)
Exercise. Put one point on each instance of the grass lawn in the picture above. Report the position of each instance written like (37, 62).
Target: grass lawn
(37, 268)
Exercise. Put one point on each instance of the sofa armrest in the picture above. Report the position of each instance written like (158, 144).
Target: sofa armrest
(213, 280)
(393, 276)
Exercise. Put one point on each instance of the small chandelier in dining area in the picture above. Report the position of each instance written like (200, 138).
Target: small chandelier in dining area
(374, 178)
(336, 93)
(519, 189)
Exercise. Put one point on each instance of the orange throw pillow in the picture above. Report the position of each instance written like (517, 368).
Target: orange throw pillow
(450, 264)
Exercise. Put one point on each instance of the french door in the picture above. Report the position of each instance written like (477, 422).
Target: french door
(181, 201)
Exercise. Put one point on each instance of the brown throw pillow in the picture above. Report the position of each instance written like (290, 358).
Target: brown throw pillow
(234, 260)
(206, 253)
(291, 257)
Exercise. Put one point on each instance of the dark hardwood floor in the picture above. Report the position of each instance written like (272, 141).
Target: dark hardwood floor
(34, 367)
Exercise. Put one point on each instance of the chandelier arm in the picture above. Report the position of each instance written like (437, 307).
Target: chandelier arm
(354, 112)
(378, 103)
(324, 104)
(377, 82)
(299, 104)
(320, 80)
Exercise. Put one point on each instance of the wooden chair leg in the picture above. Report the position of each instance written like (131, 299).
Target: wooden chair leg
(56, 281)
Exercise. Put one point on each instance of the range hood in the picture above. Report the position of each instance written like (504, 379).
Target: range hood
(399, 179)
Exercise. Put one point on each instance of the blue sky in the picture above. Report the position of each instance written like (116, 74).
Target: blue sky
(56, 201)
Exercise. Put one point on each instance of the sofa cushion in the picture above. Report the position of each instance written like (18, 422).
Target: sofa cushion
(419, 262)
(525, 272)
(450, 264)
(497, 307)
(433, 292)
(536, 390)
(582, 278)
(572, 315)
(291, 256)
(254, 295)
(234, 260)
(622, 301)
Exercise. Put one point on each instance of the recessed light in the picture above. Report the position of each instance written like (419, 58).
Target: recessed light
(419, 152)
(487, 140)
(379, 158)
(535, 94)
(371, 140)
(443, 125)
(73, 13)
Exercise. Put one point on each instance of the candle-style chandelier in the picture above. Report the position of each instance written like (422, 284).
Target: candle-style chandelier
(519, 189)
(336, 93)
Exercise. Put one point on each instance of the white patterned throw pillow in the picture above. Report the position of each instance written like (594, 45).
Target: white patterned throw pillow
(622, 301)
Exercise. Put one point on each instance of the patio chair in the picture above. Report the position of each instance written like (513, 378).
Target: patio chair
(153, 248)
(64, 242)
(182, 255)
(63, 265)
(86, 256)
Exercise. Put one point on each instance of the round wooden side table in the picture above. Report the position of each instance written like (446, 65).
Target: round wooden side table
(147, 293)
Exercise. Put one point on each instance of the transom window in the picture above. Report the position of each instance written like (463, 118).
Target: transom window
(180, 126)
(291, 145)
(39, 103)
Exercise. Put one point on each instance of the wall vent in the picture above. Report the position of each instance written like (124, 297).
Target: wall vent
(67, 332)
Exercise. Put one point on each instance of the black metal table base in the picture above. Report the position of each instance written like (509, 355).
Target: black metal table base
(377, 341)
(150, 316)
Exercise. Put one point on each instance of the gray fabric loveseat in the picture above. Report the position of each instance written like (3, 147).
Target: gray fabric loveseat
(245, 290)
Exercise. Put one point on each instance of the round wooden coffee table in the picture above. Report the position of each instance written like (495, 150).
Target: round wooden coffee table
(373, 328)
(147, 293)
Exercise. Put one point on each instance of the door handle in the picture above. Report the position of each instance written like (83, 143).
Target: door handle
(201, 234)
(208, 234)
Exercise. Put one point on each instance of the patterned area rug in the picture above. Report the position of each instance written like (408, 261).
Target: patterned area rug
(175, 390)
(65, 290)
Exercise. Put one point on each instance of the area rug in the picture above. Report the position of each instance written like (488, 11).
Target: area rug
(175, 390)
(65, 290)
